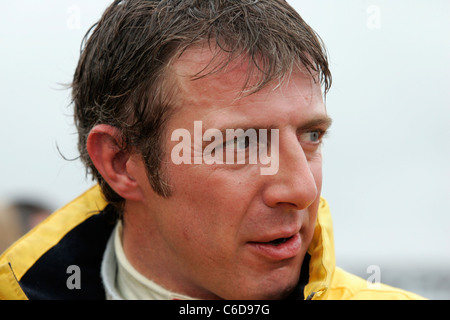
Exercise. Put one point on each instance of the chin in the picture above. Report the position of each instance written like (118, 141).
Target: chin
(267, 288)
(280, 283)
(279, 292)
(273, 293)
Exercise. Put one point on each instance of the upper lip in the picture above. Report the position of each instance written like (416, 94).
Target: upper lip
(278, 235)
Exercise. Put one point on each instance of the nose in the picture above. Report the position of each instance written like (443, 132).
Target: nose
(294, 185)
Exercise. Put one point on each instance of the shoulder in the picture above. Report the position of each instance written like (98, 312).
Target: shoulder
(73, 235)
(351, 287)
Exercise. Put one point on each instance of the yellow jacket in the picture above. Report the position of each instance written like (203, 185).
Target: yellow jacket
(38, 265)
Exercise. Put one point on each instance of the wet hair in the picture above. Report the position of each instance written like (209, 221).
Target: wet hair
(123, 75)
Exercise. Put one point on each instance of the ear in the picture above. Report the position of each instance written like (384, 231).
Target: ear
(104, 145)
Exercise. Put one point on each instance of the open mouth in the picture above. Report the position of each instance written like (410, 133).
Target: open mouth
(278, 241)
(279, 248)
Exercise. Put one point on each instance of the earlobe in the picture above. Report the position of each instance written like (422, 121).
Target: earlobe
(104, 146)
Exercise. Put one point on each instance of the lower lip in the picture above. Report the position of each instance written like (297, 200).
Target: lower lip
(283, 251)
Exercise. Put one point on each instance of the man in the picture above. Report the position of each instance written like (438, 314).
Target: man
(172, 101)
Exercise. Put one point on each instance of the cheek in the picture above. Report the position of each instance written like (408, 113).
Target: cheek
(211, 201)
(315, 165)
(211, 186)
(317, 173)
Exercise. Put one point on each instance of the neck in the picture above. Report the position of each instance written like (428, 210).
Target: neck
(132, 284)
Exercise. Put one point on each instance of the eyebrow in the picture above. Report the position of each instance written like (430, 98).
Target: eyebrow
(322, 121)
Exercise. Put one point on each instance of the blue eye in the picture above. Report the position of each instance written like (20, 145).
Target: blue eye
(311, 136)
(242, 143)
(314, 136)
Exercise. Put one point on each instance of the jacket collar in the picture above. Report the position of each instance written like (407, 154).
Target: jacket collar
(321, 250)
(28, 260)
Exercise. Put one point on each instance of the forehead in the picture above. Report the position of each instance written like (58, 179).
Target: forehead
(221, 91)
(194, 69)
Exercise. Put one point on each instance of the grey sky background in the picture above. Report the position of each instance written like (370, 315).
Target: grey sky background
(386, 161)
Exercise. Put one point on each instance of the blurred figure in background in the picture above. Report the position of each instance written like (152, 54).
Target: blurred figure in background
(18, 217)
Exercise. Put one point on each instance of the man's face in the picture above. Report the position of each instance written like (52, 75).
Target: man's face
(227, 231)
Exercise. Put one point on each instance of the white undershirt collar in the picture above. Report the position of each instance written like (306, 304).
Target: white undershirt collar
(123, 282)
